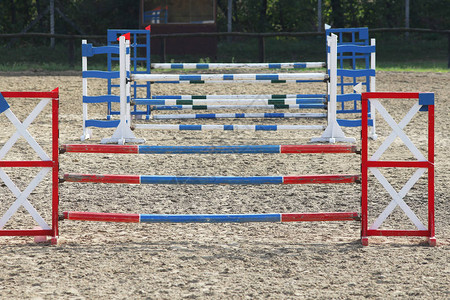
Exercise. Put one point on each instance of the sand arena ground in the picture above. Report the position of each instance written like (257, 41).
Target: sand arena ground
(232, 261)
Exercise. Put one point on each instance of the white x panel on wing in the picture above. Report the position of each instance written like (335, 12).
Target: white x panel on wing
(21, 130)
(397, 131)
(22, 198)
(397, 198)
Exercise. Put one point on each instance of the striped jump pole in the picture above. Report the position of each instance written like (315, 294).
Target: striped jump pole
(209, 66)
(230, 77)
(240, 107)
(262, 96)
(255, 149)
(205, 180)
(238, 116)
(226, 127)
(250, 102)
(260, 81)
(209, 218)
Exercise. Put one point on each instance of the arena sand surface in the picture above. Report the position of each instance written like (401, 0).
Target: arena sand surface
(225, 261)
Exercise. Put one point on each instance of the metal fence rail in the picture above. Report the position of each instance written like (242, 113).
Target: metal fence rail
(260, 36)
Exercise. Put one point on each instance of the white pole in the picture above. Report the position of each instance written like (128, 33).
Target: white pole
(333, 80)
(128, 84)
(373, 88)
(86, 132)
(333, 133)
(123, 133)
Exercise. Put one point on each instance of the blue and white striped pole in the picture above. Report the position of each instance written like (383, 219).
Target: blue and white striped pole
(228, 127)
(209, 66)
(229, 77)
(237, 116)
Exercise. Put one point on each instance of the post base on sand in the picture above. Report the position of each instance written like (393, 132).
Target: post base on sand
(41, 239)
(431, 241)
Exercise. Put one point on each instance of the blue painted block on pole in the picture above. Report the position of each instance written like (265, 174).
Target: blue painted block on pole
(426, 98)
(274, 66)
(146, 218)
(3, 104)
(235, 180)
(299, 66)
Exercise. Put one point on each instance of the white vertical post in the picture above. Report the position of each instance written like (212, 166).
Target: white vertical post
(123, 133)
(333, 79)
(86, 131)
(373, 89)
(127, 82)
(123, 89)
(333, 133)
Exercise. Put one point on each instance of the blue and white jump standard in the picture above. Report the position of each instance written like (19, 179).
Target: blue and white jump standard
(333, 133)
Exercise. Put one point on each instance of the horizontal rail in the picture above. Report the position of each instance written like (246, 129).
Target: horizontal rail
(205, 180)
(289, 101)
(237, 116)
(137, 149)
(261, 81)
(229, 77)
(240, 107)
(209, 218)
(40, 95)
(264, 96)
(27, 164)
(227, 127)
(215, 34)
(209, 66)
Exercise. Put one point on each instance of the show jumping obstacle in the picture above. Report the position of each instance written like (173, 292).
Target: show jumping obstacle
(358, 47)
(211, 218)
(425, 103)
(47, 164)
(123, 134)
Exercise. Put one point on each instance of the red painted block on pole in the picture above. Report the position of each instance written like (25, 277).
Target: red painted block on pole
(100, 178)
(101, 217)
(126, 149)
(318, 149)
(312, 217)
(314, 179)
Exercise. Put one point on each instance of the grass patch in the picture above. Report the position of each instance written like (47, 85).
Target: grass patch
(395, 52)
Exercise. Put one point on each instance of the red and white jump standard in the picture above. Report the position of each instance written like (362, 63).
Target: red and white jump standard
(46, 164)
(425, 103)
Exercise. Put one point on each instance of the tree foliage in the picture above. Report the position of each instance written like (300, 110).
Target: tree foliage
(301, 15)
(96, 16)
